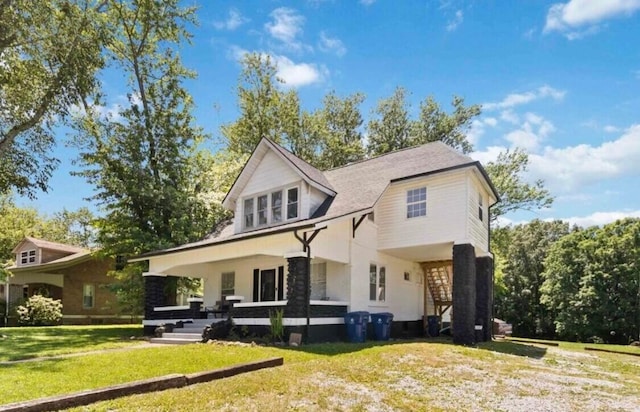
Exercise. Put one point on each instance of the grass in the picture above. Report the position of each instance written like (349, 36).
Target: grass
(399, 375)
(31, 342)
(412, 376)
(580, 346)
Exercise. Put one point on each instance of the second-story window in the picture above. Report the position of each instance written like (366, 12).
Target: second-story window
(269, 208)
(248, 212)
(416, 202)
(292, 203)
(480, 207)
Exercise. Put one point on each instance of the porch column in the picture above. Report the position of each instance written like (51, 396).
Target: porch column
(464, 294)
(154, 284)
(484, 295)
(298, 288)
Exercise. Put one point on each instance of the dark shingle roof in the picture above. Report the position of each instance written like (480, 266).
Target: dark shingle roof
(358, 186)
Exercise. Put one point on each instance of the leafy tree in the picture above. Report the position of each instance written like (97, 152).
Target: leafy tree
(259, 101)
(434, 124)
(51, 51)
(592, 283)
(391, 130)
(524, 255)
(340, 122)
(516, 193)
(144, 161)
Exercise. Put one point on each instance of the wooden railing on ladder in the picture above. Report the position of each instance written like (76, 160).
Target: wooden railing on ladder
(439, 281)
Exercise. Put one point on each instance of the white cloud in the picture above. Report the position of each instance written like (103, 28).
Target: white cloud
(524, 138)
(517, 99)
(570, 18)
(567, 169)
(601, 218)
(490, 154)
(491, 121)
(293, 74)
(233, 21)
(286, 26)
(610, 129)
(331, 44)
(456, 21)
(299, 74)
(594, 219)
(509, 116)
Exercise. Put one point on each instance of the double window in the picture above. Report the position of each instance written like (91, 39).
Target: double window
(27, 257)
(377, 283)
(416, 202)
(271, 208)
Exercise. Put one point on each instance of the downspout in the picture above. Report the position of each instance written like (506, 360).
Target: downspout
(7, 300)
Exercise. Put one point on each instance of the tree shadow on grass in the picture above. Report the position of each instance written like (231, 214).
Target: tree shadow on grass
(512, 348)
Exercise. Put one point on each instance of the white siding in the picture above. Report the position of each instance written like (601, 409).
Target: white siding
(316, 198)
(478, 230)
(446, 212)
(272, 172)
(403, 299)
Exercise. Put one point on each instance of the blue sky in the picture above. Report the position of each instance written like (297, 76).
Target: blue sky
(559, 79)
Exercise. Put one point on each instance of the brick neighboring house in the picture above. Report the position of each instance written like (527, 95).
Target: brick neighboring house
(69, 273)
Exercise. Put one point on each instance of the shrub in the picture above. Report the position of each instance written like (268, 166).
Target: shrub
(277, 326)
(40, 311)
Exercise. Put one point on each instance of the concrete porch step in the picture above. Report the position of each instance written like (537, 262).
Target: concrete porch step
(174, 341)
(190, 329)
(178, 334)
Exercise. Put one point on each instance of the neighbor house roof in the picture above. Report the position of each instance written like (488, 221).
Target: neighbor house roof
(62, 263)
(357, 187)
(45, 244)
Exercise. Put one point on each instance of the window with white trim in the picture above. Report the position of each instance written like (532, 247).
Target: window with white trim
(377, 283)
(269, 208)
(480, 207)
(416, 202)
(319, 281)
(228, 284)
(292, 203)
(88, 296)
(27, 257)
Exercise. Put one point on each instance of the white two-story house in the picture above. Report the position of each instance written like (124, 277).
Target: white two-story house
(405, 233)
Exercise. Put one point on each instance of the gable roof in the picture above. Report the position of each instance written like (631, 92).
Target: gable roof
(45, 244)
(306, 171)
(62, 263)
(357, 187)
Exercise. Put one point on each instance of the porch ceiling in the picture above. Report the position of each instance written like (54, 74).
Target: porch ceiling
(423, 253)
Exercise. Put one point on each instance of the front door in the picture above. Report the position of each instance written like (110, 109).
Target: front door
(267, 285)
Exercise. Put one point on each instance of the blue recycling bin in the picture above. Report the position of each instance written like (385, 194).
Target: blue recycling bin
(433, 326)
(382, 325)
(356, 323)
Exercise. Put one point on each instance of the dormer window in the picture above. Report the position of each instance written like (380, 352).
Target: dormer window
(267, 209)
(292, 203)
(27, 257)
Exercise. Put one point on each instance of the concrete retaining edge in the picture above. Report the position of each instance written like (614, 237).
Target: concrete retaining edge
(172, 381)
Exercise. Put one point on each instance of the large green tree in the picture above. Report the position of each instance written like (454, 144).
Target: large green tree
(50, 52)
(390, 128)
(524, 248)
(144, 160)
(592, 283)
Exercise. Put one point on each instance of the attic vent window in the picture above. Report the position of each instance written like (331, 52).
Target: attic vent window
(416, 202)
(28, 256)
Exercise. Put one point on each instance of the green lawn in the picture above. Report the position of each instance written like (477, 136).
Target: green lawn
(413, 376)
(25, 343)
(402, 375)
